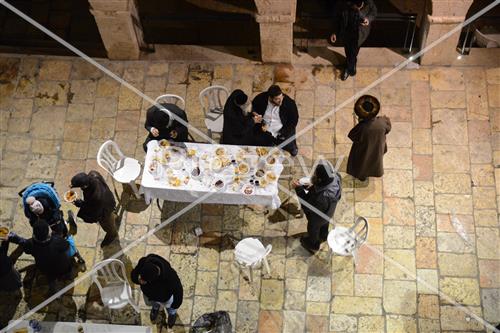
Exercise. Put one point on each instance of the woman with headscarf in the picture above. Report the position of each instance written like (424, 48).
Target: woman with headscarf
(321, 196)
(366, 158)
(98, 204)
(160, 285)
(238, 123)
(161, 124)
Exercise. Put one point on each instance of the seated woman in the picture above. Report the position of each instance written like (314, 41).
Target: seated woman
(162, 125)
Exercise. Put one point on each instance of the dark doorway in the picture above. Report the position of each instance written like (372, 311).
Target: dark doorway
(396, 26)
(202, 22)
(69, 19)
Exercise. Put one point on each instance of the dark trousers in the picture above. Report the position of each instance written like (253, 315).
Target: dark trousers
(108, 224)
(317, 233)
(291, 147)
(351, 53)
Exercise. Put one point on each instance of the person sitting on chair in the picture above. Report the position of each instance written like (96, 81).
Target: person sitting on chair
(160, 285)
(53, 254)
(238, 123)
(160, 124)
(323, 194)
(98, 204)
(280, 117)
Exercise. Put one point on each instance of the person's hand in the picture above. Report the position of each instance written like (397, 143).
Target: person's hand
(257, 118)
(155, 131)
(295, 183)
(173, 134)
(78, 202)
(333, 38)
(264, 128)
(365, 22)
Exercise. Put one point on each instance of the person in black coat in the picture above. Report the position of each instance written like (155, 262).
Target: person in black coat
(323, 194)
(98, 204)
(280, 117)
(352, 22)
(51, 252)
(160, 125)
(10, 280)
(160, 286)
(238, 123)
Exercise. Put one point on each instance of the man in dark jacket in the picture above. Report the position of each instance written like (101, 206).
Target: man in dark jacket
(160, 124)
(10, 280)
(366, 158)
(280, 117)
(160, 286)
(352, 21)
(51, 252)
(238, 123)
(98, 204)
(323, 194)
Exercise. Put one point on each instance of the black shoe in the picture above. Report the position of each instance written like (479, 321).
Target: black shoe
(353, 73)
(305, 244)
(155, 310)
(344, 75)
(294, 152)
(171, 320)
(108, 239)
(73, 228)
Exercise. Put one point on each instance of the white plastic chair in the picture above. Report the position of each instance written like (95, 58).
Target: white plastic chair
(250, 252)
(212, 100)
(345, 241)
(171, 99)
(123, 169)
(110, 277)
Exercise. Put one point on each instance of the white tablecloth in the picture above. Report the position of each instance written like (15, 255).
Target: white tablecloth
(67, 327)
(160, 188)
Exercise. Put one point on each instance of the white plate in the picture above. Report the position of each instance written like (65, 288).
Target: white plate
(305, 181)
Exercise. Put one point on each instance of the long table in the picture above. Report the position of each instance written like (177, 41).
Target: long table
(68, 327)
(171, 178)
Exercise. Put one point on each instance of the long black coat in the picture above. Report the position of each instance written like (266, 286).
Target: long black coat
(366, 158)
(51, 257)
(323, 198)
(98, 200)
(9, 277)
(289, 113)
(237, 129)
(165, 286)
(342, 21)
(158, 119)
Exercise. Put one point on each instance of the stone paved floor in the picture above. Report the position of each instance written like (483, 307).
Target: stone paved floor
(444, 155)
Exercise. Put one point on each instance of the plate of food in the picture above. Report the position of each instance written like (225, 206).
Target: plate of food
(70, 196)
(191, 152)
(243, 168)
(271, 176)
(164, 143)
(305, 181)
(248, 189)
(220, 151)
(219, 184)
(260, 173)
(261, 151)
(196, 172)
(4, 233)
(174, 181)
(216, 164)
(271, 160)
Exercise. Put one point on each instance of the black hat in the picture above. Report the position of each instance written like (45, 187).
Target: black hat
(40, 231)
(80, 180)
(358, 3)
(149, 272)
(367, 107)
(240, 97)
(274, 91)
(324, 173)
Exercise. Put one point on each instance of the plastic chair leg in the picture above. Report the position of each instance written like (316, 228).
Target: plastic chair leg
(266, 265)
(250, 273)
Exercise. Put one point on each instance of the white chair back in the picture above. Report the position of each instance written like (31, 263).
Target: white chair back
(171, 99)
(250, 252)
(110, 277)
(360, 231)
(212, 99)
(109, 155)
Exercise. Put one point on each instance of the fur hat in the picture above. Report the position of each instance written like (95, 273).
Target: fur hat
(367, 107)
(149, 272)
(41, 231)
(80, 180)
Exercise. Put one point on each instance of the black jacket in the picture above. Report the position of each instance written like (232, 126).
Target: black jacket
(237, 129)
(9, 277)
(342, 21)
(158, 119)
(98, 200)
(167, 285)
(289, 114)
(51, 215)
(324, 198)
(51, 257)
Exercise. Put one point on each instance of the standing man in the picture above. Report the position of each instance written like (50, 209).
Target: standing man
(160, 285)
(352, 21)
(98, 204)
(238, 122)
(323, 194)
(366, 158)
(162, 125)
(280, 117)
